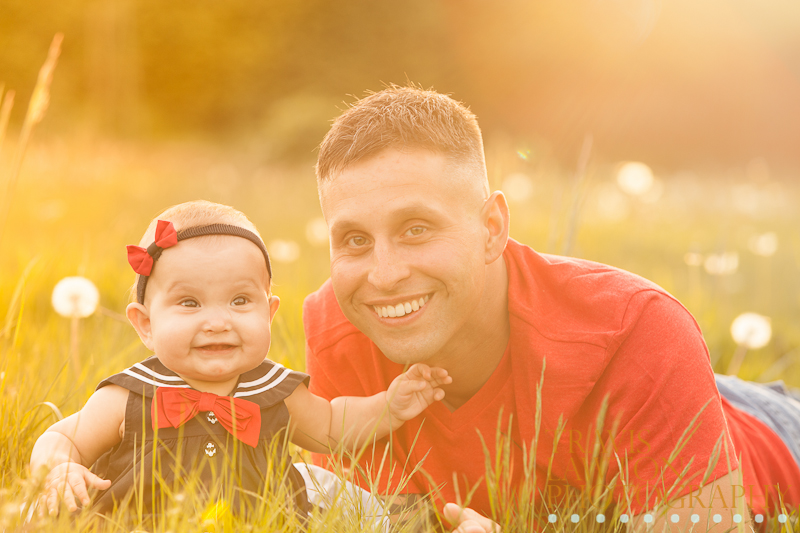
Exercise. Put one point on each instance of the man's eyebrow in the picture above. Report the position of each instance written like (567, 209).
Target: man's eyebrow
(423, 211)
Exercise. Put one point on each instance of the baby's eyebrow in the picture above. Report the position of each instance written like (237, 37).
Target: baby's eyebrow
(181, 286)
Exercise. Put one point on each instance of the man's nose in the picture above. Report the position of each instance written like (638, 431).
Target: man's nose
(389, 266)
(217, 319)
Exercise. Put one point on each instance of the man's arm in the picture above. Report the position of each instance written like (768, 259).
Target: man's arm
(713, 507)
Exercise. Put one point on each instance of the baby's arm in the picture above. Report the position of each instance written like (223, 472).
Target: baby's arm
(68, 447)
(317, 425)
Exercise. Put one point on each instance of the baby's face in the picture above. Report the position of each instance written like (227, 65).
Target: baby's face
(209, 310)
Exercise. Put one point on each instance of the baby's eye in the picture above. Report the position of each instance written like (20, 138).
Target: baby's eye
(239, 300)
(190, 303)
(416, 230)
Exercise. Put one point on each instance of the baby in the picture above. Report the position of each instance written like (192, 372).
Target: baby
(204, 307)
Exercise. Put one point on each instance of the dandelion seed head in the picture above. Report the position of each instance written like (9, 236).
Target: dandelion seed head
(765, 244)
(746, 199)
(653, 195)
(284, 251)
(635, 178)
(612, 205)
(518, 187)
(693, 258)
(751, 330)
(75, 296)
(721, 264)
(317, 232)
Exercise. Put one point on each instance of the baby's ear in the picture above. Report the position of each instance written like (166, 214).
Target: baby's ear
(274, 303)
(140, 319)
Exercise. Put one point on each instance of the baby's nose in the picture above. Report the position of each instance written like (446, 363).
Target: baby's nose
(217, 320)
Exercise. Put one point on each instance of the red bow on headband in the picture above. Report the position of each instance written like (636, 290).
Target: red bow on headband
(141, 259)
(173, 407)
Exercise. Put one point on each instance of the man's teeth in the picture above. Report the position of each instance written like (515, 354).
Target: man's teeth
(402, 309)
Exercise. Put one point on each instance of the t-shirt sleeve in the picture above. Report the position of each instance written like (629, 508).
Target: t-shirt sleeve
(663, 393)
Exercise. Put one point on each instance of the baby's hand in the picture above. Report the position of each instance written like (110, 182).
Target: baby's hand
(411, 392)
(66, 482)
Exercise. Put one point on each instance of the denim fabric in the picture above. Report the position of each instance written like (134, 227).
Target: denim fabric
(772, 403)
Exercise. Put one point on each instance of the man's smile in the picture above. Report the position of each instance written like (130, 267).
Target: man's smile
(401, 308)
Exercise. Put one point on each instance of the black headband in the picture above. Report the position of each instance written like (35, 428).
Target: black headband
(154, 250)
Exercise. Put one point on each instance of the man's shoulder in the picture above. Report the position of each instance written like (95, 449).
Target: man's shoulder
(570, 298)
(323, 320)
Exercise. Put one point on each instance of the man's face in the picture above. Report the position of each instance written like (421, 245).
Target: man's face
(407, 250)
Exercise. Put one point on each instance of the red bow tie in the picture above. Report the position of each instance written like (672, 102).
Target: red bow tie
(141, 259)
(173, 407)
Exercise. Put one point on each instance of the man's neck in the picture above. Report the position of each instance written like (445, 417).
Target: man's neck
(472, 361)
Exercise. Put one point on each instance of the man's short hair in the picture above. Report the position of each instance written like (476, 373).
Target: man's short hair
(402, 118)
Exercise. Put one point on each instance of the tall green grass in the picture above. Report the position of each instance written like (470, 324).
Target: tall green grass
(76, 202)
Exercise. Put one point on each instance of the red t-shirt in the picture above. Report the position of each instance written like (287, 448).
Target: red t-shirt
(598, 332)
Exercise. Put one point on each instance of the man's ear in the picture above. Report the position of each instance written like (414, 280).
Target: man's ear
(495, 219)
(139, 317)
(274, 303)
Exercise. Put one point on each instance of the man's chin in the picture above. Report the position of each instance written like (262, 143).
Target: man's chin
(406, 355)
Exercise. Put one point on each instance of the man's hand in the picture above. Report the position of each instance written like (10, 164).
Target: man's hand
(468, 521)
(66, 482)
(414, 390)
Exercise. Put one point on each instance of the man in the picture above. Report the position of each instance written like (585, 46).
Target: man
(422, 270)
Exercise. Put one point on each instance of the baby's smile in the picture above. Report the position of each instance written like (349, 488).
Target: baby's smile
(216, 347)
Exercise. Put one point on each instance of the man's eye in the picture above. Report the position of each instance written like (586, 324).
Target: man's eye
(416, 230)
(190, 303)
(240, 300)
(358, 240)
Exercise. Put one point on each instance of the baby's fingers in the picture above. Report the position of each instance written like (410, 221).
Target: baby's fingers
(412, 386)
(419, 371)
(439, 376)
(56, 494)
(68, 498)
(96, 481)
(51, 501)
(78, 487)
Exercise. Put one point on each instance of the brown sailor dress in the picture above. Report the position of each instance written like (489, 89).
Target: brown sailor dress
(201, 455)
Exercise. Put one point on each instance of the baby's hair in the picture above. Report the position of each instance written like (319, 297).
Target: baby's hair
(192, 214)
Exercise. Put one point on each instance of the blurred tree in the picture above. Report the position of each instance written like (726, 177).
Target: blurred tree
(670, 82)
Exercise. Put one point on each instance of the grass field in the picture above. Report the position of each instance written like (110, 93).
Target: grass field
(80, 201)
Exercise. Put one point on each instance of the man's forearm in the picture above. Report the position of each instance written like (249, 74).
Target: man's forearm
(717, 515)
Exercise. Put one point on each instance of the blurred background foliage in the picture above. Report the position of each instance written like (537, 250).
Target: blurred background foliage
(678, 84)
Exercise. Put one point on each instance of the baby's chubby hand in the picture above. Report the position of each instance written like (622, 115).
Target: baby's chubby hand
(414, 390)
(66, 482)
